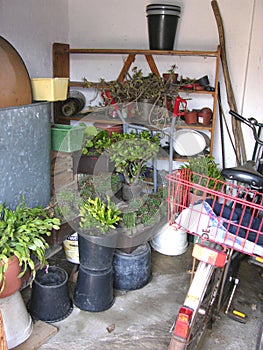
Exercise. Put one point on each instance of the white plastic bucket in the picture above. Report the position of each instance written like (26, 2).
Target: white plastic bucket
(170, 241)
(18, 324)
(71, 248)
(188, 142)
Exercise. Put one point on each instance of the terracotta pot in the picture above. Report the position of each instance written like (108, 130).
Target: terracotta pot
(166, 76)
(110, 128)
(12, 282)
(204, 116)
(191, 117)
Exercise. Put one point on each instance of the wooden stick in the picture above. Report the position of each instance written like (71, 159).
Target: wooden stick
(3, 344)
(236, 124)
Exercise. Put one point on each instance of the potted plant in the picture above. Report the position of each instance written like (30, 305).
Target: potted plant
(143, 218)
(63, 205)
(205, 165)
(94, 144)
(130, 156)
(97, 239)
(23, 233)
(143, 95)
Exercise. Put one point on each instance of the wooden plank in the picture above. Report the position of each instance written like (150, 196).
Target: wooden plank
(143, 52)
(152, 65)
(128, 62)
(61, 69)
(41, 333)
(3, 345)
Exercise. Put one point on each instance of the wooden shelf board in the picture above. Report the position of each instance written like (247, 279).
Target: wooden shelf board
(144, 52)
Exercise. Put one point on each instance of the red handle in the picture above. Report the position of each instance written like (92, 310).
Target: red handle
(177, 103)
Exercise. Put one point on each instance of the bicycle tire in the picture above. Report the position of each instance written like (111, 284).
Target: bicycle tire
(202, 320)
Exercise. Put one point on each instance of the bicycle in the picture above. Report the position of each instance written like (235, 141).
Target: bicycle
(226, 219)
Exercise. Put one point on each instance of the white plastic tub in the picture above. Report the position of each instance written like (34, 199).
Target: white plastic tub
(170, 241)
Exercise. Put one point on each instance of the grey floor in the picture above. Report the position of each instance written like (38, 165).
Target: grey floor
(141, 319)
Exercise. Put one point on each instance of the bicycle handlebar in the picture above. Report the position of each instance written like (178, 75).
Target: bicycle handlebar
(252, 123)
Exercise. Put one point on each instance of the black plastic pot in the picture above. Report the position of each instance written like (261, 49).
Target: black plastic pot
(162, 25)
(92, 165)
(132, 270)
(94, 256)
(50, 300)
(94, 290)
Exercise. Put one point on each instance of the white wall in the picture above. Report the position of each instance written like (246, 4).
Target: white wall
(31, 26)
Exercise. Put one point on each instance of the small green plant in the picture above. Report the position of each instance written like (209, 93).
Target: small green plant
(22, 234)
(98, 215)
(96, 144)
(205, 165)
(131, 153)
(64, 205)
(129, 219)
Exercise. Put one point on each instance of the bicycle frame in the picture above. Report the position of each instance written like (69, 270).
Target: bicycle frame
(223, 216)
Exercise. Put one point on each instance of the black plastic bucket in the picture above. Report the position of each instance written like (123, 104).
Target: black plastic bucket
(162, 25)
(133, 270)
(94, 290)
(50, 300)
(94, 256)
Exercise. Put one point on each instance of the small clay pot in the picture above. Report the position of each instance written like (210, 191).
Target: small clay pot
(167, 76)
(204, 116)
(191, 117)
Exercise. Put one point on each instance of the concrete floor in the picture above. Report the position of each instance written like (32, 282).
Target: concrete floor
(141, 319)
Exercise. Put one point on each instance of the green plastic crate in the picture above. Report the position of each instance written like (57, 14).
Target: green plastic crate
(66, 138)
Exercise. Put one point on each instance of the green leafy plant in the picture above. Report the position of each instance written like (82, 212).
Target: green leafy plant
(22, 234)
(95, 144)
(145, 211)
(205, 165)
(98, 215)
(131, 153)
(129, 219)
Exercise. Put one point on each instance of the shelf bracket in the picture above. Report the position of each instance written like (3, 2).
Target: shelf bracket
(152, 64)
(127, 64)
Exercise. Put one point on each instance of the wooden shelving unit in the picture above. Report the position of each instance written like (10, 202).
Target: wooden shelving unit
(62, 54)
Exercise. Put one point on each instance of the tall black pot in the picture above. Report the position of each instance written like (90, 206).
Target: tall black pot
(94, 290)
(94, 253)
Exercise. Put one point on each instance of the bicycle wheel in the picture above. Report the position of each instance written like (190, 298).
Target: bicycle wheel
(201, 301)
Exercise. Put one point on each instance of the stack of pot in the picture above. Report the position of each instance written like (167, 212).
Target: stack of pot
(162, 25)
(94, 288)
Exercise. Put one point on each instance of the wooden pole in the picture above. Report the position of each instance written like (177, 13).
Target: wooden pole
(236, 124)
(3, 344)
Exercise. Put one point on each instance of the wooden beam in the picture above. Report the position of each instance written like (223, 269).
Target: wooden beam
(152, 65)
(127, 64)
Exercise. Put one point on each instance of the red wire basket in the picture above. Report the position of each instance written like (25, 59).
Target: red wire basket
(218, 211)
